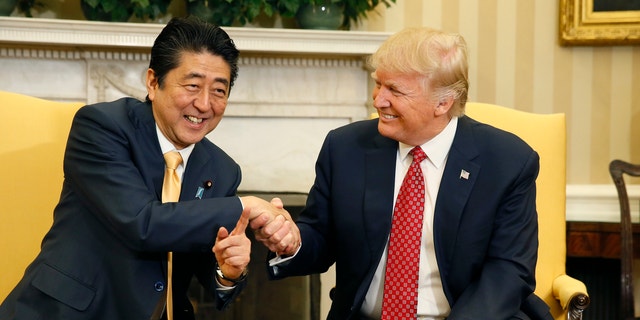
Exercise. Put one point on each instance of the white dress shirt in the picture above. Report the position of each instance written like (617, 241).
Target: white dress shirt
(167, 146)
(432, 303)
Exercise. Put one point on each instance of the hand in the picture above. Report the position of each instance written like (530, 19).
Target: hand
(280, 234)
(263, 209)
(233, 249)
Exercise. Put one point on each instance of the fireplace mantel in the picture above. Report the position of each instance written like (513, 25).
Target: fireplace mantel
(92, 34)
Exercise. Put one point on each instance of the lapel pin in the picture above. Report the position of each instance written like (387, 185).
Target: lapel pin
(200, 192)
(464, 174)
(205, 185)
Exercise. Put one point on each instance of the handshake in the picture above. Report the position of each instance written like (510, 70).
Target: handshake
(272, 226)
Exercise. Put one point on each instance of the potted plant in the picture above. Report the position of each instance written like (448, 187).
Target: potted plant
(356, 10)
(25, 6)
(230, 12)
(121, 11)
(240, 12)
(7, 7)
(150, 9)
(353, 11)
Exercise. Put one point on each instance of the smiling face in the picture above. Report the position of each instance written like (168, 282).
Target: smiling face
(191, 101)
(407, 112)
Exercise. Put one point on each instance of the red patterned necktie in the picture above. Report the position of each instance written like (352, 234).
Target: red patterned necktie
(400, 299)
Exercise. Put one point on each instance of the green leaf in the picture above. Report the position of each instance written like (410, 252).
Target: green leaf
(92, 3)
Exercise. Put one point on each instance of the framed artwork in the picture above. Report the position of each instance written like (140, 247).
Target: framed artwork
(599, 22)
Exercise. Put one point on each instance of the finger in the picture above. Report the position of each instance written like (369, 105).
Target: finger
(277, 202)
(272, 227)
(260, 221)
(291, 241)
(284, 233)
(222, 234)
(241, 226)
(286, 214)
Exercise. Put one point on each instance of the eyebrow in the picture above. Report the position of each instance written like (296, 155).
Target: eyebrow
(192, 75)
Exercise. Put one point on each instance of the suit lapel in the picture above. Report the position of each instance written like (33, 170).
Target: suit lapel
(377, 210)
(457, 183)
(141, 117)
(196, 179)
(378, 194)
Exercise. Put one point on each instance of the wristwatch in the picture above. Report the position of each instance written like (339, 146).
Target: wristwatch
(241, 278)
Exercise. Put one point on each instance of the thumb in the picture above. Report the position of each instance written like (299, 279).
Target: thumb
(277, 202)
(242, 223)
(222, 234)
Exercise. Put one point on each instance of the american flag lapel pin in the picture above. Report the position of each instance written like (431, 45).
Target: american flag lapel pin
(464, 174)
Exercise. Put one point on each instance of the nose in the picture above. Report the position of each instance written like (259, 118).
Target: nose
(380, 98)
(202, 101)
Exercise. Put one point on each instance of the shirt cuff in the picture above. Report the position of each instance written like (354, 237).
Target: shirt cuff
(221, 288)
(279, 260)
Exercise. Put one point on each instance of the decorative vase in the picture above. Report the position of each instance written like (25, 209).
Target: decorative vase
(7, 7)
(327, 16)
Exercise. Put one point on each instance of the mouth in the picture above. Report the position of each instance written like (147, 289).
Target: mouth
(388, 116)
(193, 119)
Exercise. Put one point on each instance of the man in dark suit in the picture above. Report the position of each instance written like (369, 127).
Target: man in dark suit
(105, 256)
(476, 235)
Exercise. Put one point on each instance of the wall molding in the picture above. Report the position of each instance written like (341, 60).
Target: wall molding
(599, 202)
(110, 35)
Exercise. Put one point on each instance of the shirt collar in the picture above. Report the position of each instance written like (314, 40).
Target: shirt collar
(166, 146)
(437, 148)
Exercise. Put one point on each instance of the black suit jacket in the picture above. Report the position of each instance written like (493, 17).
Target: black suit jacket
(105, 254)
(485, 225)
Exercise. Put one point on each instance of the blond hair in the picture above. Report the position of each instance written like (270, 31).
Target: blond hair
(438, 56)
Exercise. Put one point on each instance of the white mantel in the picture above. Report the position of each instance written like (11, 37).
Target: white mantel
(86, 34)
(293, 87)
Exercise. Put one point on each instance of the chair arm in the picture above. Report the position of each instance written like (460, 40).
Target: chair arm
(572, 294)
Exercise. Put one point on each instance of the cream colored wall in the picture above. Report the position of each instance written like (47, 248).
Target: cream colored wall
(515, 60)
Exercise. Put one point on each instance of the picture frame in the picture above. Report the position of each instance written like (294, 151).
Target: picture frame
(599, 22)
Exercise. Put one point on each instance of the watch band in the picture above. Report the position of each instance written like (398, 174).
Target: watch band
(241, 278)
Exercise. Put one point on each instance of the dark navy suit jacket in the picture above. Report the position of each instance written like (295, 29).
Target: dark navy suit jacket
(105, 255)
(485, 224)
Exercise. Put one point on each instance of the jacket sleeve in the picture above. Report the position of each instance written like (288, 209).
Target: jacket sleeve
(116, 170)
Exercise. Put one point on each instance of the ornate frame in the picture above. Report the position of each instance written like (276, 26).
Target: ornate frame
(580, 25)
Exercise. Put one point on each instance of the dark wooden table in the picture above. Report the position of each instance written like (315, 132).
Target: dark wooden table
(597, 239)
(593, 256)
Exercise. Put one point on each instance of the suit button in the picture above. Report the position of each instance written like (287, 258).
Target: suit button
(159, 286)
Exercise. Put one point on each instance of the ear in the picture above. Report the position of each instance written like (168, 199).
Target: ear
(151, 83)
(444, 105)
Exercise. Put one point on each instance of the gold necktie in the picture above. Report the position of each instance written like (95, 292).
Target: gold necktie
(171, 193)
(171, 184)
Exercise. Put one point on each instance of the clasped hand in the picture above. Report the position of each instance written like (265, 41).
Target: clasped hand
(272, 226)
